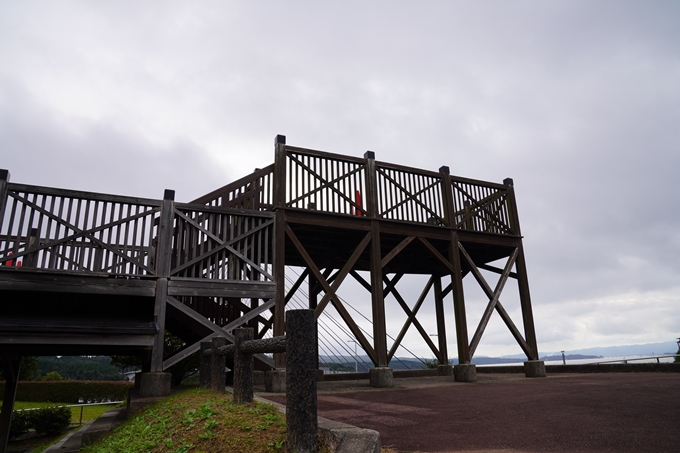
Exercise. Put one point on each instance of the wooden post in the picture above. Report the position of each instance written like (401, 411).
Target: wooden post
(218, 373)
(10, 367)
(522, 278)
(163, 256)
(313, 292)
(243, 367)
(4, 180)
(279, 245)
(31, 259)
(441, 322)
(447, 196)
(459, 301)
(377, 296)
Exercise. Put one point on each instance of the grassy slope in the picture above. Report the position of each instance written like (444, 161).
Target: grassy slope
(197, 421)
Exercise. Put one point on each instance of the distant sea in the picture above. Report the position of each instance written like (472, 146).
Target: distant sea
(619, 359)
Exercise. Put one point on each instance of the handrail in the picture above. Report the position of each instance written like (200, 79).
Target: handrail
(80, 422)
(624, 360)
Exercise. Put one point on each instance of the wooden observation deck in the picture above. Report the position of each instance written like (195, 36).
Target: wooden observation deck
(89, 273)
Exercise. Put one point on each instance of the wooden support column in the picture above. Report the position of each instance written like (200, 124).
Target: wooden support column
(163, 257)
(4, 180)
(459, 301)
(313, 292)
(10, 368)
(522, 278)
(377, 297)
(279, 245)
(441, 322)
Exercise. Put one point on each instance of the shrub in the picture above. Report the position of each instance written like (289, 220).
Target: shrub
(21, 423)
(50, 420)
(52, 376)
(71, 392)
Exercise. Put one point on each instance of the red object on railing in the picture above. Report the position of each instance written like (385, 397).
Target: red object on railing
(359, 212)
(9, 262)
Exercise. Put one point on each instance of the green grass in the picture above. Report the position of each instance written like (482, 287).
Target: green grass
(196, 421)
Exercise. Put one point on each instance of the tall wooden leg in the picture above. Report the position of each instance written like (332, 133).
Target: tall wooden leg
(159, 317)
(378, 301)
(10, 367)
(525, 302)
(280, 279)
(459, 302)
(441, 323)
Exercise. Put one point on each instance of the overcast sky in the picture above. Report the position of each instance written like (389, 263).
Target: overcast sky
(578, 102)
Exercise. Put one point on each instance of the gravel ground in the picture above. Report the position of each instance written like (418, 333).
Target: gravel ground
(608, 412)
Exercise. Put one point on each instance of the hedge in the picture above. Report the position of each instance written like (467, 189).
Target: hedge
(71, 392)
(46, 420)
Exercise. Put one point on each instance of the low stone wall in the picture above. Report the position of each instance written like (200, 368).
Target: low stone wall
(591, 368)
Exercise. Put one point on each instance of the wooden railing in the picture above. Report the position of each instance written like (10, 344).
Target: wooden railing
(67, 230)
(253, 192)
(325, 182)
(409, 194)
(319, 181)
(222, 244)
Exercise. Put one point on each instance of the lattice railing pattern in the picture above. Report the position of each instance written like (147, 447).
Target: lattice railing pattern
(321, 182)
(409, 195)
(69, 230)
(254, 192)
(222, 244)
(479, 207)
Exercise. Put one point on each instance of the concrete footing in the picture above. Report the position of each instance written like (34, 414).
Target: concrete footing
(275, 380)
(155, 384)
(465, 372)
(381, 377)
(445, 370)
(534, 368)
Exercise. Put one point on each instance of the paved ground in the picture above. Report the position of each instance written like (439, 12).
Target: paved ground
(609, 412)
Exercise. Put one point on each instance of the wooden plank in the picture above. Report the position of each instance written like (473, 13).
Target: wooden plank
(85, 284)
(441, 321)
(412, 319)
(493, 299)
(495, 270)
(10, 369)
(437, 255)
(395, 251)
(68, 193)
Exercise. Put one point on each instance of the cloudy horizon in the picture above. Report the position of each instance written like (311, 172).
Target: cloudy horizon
(578, 102)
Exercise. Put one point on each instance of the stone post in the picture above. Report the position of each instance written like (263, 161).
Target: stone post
(217, 366)
(204, 369)
(243, 367)
(301, 408)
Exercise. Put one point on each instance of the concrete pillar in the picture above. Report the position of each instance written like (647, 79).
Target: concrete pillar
(465, 372)
(445, 370)
(275, 380)
(217, 365)
(301, 405)
(204, 368)
(534, 368)
(155, 384)
(243, 367)
(381, 377)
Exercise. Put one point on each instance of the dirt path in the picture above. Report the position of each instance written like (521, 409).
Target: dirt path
(626, 412)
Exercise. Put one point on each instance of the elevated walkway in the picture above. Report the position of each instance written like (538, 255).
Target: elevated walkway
(91, 273)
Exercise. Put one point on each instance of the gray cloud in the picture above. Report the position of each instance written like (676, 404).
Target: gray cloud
(578, 102)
